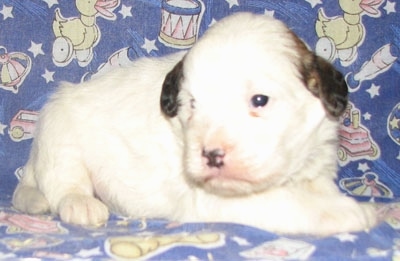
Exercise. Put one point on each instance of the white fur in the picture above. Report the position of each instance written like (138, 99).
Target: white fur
(105, 144)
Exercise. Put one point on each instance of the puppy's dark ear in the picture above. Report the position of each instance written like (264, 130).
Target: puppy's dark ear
(169, 94)
(326, 83)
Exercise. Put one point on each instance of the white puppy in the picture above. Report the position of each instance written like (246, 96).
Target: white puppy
(244, 131)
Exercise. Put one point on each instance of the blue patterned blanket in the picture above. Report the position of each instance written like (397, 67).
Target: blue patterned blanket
(361, 38)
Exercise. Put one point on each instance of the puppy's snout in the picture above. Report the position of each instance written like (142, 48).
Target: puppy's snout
(214, 157)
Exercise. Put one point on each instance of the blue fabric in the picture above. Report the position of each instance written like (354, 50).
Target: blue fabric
(33, 61)
(43, 237)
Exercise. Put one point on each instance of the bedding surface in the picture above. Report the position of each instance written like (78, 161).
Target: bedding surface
(44, 42)
(45, 237)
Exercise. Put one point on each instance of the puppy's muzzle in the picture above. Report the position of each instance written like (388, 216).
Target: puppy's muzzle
(215, 157)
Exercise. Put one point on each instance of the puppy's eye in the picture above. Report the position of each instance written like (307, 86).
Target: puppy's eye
(259, 100)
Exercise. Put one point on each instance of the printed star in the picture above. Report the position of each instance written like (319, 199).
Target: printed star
(97, 234)
(269, 13)
(36, 49)
(394, 123)
(376, 252)
(363, 167)
(373, 90)
(346, 237)
(50, 3)
(313, 3)
(48, 75)
(213, 21)
(6, 255)
(367, 116)
(2, 127)
(241, 241)
(125, 11)
(232, 3)
(390, 7)
(149, 45)
(7, 12)
(123, 221)
(89, 252)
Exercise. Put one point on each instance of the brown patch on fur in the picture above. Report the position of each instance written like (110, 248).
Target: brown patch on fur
(169, 94)
(322, 79)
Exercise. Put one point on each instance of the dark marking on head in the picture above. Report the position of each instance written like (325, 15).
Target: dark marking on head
(327, 83)
(323, 80)
(169, 94)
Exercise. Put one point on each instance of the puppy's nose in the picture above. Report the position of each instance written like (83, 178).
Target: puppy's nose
(215, 157)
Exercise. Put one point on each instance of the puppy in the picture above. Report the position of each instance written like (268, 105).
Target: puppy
(242, 128)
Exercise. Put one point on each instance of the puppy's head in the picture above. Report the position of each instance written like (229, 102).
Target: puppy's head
(256, 106)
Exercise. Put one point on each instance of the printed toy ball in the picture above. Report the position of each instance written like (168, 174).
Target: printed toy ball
(393, 124)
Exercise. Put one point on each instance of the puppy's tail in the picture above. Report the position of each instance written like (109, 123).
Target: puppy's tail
(28, 198)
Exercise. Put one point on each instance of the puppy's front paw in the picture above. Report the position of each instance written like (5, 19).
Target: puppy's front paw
(82, 210)
(348, 216)
(370, 213)
(30, 200)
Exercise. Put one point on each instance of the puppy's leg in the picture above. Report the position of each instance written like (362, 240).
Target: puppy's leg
(301, 211)
(72, 195)
(345, 215)
(56, 180)
(81, 209)
(332, 212)
(28, 198)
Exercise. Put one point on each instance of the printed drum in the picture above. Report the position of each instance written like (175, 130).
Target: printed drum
(180, 19)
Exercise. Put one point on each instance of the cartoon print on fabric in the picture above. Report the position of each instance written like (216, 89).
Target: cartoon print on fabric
(391, 214)
(122, 38)
(23, 125)
(19, 223)
(34, 242)
(77, 36)
(14, 67)
(280, 249)
(355, 139)
(120, 58)
(381, 61)
(180, 22)
(340, 36)
(140, 247)
(368, 185)
(393, 124)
